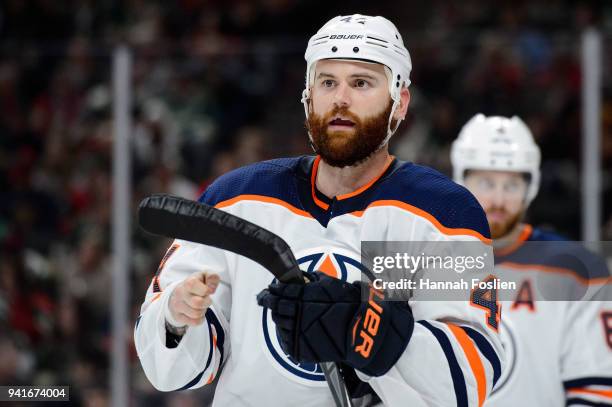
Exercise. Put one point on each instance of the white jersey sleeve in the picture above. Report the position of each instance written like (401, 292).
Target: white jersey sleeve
(586, 359)
(199, 354)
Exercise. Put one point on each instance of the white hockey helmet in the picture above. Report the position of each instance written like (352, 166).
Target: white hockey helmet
(497, 143)
(364, 38)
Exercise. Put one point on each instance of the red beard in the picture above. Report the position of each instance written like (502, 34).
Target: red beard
(501, 229)
(350, 147)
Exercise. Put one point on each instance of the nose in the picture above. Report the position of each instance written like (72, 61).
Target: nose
(498, 197)
(342, 95)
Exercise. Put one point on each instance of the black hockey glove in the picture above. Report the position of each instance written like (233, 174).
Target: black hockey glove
(326, 321)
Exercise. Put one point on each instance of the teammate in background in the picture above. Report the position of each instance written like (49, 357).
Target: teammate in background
(557, 352)
(200, 312)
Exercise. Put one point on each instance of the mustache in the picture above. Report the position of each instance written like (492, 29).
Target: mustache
(500, 229)
(344, 112)
(497, 209)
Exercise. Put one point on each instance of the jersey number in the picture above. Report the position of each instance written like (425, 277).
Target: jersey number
(348, 19)
(485, 297)
(170, 252)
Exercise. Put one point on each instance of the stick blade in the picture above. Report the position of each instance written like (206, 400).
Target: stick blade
(180, 218)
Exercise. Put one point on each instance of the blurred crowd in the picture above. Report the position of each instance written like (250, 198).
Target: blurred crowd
(217, 86)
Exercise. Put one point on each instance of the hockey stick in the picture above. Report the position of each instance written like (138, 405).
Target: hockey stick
(180, 218)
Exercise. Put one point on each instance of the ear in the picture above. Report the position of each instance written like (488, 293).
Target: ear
(310, 106)
(400, 112)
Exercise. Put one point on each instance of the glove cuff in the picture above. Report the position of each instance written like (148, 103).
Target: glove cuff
(380, 334)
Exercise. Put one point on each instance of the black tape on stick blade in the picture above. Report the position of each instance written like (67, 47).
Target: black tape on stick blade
(180, 218)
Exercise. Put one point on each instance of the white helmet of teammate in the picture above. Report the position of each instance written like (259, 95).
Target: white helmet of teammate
(363, 38)
(497, 143)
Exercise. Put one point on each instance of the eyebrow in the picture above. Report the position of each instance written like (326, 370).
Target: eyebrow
(355, 75)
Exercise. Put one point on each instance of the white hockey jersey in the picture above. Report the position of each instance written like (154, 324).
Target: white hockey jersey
(557, 331)
(453, 358)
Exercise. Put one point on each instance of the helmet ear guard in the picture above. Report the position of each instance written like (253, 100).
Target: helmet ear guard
(361, 38)
(497, 143)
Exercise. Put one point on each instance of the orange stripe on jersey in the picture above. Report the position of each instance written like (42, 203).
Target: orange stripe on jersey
(212, 375)
(474, 360)
(423, 214)
(313, 180)
(323, 205)
(369, 184)
(558, 270)
(523, 236)
(211, 378)
(262, 198)
(594, 392)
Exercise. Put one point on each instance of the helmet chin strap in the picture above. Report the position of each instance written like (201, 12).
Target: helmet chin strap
(391, 131)
(306, 102)
(396, 103)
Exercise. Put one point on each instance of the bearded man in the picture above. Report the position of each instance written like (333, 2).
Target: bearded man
(201, 312)
(556, 333)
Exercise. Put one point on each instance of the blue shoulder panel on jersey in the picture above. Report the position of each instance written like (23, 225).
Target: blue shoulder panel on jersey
(288, 179)
(273, 178)
(427, 189)
(552, 250)
(539, 235)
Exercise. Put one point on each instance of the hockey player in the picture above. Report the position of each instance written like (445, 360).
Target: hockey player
(200, 312)
(558, 347)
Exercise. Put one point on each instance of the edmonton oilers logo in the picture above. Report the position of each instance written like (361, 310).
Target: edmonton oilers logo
(340, 264)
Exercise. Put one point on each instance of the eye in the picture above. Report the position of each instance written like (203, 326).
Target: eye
(327, 83)
(514, 187)
(485, 184)
(361, 83)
